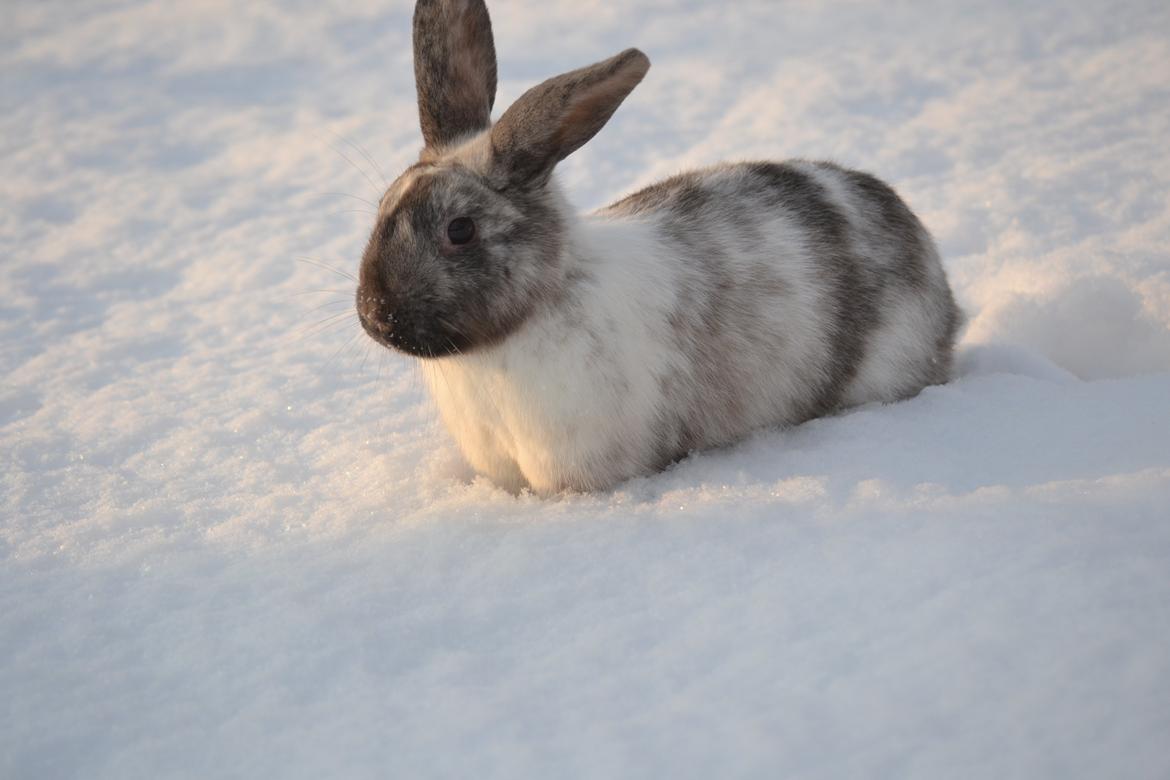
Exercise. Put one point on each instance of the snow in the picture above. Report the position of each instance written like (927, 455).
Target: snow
(236, 542)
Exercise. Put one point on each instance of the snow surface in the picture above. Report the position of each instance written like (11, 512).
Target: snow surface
(236, 543)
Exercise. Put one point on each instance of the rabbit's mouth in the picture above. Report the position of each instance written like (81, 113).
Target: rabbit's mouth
(403, 335)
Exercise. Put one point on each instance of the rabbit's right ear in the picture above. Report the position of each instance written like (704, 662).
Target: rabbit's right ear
(454, 69)
(554, 119)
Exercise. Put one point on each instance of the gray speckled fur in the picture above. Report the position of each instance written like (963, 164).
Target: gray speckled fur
(868, 255)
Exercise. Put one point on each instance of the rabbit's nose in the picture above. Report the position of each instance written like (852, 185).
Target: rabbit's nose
(374, 315)
(380, 327)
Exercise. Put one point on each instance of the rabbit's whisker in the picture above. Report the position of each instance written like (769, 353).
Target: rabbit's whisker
(367, 201)
(349, 160)
(327, 267)
(317, 328)
(346, 212)
(365, 357)
(361, 150)
(345, 347)
(318, 292)
(329, 304)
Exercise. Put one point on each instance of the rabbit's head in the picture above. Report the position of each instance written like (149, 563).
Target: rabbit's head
(467, 243)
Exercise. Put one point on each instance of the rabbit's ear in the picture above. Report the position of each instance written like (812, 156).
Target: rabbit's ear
(554, 119)
(454, 69)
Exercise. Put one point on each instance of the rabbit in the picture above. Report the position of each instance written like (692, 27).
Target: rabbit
(572, 352)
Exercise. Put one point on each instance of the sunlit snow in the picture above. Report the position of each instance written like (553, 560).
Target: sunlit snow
(236, 542)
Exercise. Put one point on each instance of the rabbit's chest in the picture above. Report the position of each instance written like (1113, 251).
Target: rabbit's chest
(547, 417)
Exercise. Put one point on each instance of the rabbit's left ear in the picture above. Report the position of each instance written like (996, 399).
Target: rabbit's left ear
(554, 119)
(454, 69)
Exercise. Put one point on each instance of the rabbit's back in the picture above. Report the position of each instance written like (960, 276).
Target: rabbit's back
(800, 288)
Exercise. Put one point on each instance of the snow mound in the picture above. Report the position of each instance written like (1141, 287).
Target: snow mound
(1096, 326)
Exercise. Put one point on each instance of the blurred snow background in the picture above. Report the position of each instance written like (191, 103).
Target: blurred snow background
(235, 541)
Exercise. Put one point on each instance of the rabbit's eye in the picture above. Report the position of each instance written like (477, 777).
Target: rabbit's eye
(461, 230)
